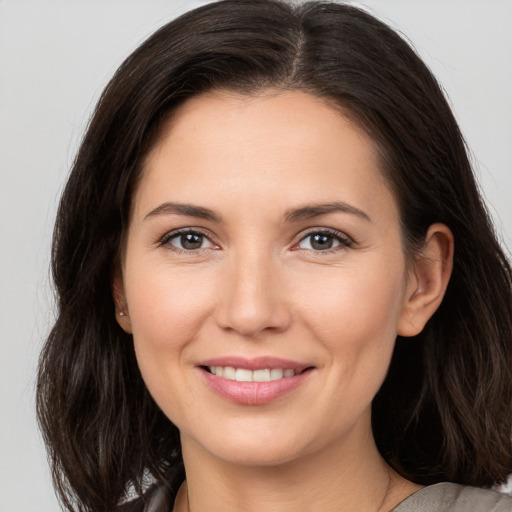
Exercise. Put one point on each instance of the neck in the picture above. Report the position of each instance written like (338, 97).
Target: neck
(347, 477)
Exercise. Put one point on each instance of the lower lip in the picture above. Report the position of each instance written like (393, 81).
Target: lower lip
(253, 393)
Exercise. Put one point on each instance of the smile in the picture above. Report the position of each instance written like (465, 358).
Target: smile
(245, 375)
(256, 381)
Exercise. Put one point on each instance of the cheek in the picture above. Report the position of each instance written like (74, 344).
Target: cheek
(354, 315)
(166, 305)
(167, 309)
(350, 302)
(356, 326)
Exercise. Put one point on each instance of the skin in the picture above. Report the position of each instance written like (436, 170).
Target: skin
(258, 287)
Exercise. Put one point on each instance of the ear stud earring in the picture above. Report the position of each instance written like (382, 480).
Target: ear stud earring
(121, 313)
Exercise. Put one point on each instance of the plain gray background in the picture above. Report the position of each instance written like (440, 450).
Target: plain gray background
(55, 58)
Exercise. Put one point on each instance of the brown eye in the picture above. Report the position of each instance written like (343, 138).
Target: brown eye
(187, 241)
(323, 241)
(191, 241)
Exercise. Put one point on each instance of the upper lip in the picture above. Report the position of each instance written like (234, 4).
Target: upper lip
(256, 363)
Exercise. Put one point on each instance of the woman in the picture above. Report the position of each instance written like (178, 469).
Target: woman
(278, 285)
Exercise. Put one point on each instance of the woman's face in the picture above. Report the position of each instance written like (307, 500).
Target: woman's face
(264, 244)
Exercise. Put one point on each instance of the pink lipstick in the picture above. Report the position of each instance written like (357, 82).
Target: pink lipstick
(253, 381)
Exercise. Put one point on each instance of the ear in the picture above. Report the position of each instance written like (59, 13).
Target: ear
(427, 280)
(121, 312)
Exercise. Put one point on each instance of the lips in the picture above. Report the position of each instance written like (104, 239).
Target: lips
(253, 381)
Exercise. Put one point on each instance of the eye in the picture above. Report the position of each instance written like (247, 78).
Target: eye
(187, 240)
(325, 240)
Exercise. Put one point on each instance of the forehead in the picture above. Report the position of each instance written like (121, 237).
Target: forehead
(291, 146)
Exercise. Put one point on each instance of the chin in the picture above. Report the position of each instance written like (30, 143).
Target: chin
(256, 446)
(258, 456)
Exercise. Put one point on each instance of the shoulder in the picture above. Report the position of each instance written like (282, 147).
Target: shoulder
(449, 497)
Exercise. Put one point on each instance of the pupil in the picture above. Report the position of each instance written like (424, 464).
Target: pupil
(191, 241)
(321, 242)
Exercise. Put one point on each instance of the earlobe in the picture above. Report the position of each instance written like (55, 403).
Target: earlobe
(121, 305)
(428, 280)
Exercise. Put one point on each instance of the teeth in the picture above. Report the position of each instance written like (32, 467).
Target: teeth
(261, 375)
(244, 375)
(276, 374)
(228, 372)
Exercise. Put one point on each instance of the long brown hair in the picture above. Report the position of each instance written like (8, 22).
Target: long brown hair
(444, 411)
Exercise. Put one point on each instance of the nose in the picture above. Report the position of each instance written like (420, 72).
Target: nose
(252, 300)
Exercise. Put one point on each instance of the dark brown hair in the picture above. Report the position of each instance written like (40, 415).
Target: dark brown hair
(444, 411)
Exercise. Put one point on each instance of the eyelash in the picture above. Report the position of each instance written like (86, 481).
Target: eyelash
(165, 241)
(344, 240)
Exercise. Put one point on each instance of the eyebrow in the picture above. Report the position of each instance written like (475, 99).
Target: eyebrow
(317, 210)
(188, 210)
(293, 215)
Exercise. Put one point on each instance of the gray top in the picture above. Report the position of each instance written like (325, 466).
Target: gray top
(443, 497)
(448, 497)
